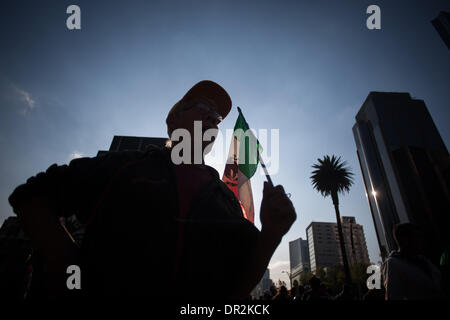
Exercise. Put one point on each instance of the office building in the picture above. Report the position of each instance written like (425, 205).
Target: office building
(405, 167)
(324, 246)
(299, 259)
(442, 26)
(124, 143)
(262, 286)
(355, 241)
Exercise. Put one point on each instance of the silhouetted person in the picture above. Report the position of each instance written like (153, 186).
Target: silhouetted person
(315, 293)
(299, 293)
(273, 291)
(293, 291)
(282, 294)
(408, 274)
(152, 222)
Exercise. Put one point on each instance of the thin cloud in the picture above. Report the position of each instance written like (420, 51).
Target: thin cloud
(278, 264)
(17, 97)
(25, 97)
(76, 155)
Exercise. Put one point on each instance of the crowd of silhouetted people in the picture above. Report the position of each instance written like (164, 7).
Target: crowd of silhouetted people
(317, 291)
(406, 274)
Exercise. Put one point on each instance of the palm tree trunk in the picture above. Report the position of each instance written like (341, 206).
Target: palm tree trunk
(348, 279)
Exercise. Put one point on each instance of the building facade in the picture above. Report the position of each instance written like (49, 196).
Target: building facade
(442, 26)
(299, 259)
(131, 143)
(355, 241)
(264, 285)
(324, 247)
(405, 167)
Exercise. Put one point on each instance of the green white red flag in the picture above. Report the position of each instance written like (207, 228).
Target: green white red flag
(242, 162)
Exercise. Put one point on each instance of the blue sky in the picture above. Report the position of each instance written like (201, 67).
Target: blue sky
(303, 67)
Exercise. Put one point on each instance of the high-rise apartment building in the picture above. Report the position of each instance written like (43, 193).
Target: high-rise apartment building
(355, 241)
(324, 247)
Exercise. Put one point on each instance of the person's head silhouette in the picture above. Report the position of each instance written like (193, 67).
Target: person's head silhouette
(206, 103)
(314, 283)
(283, 291)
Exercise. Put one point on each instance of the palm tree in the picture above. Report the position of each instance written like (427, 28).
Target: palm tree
(331, 177)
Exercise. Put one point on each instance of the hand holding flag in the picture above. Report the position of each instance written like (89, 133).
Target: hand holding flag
(277, 211)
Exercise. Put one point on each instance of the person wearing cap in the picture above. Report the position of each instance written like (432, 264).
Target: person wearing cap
(152, 224)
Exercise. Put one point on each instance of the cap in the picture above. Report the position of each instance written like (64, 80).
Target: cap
(210, 90)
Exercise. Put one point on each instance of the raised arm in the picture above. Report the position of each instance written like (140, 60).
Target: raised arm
(62, 191)
(36, 205)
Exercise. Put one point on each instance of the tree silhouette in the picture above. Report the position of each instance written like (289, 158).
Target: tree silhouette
(330, 178)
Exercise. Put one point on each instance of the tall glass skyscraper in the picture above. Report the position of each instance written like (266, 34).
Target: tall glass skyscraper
(405, 167)
(442, 26)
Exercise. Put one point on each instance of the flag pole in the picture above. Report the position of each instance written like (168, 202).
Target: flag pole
(259, 155)
(265, 170)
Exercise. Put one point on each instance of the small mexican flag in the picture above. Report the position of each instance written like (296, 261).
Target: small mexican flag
(242, 162)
